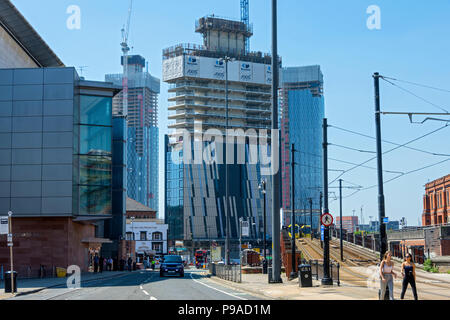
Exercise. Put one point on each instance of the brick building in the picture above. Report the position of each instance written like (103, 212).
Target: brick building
(436, 202)
(349, 224)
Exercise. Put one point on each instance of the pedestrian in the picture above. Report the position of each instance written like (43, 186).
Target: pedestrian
(101, 263)
(153, 264)
(387, 273)
(130, 262)
(409, 276)
(110, 264)
(96, 261)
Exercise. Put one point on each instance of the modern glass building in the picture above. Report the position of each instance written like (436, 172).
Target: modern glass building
(56, 164)
(142, 131)
(196, 192)
(302, 109)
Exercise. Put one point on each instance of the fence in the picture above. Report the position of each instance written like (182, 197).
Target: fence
(229, 273)
(29, 272)
(317, 270)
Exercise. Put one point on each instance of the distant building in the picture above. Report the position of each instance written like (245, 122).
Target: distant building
(436, 202)
(349, 224)
(302, 109)
(149, 233)
(195, 193)
(143, 132)
(391, 225)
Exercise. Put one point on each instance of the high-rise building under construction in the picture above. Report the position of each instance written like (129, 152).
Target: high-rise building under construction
(196, 74)
(143, 132)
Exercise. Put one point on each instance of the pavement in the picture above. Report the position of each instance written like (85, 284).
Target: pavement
(257, 284)
(30, 286)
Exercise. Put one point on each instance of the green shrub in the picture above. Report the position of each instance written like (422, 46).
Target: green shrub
(429, 267)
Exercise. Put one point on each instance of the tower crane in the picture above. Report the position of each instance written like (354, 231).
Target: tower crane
(125, 50)
(245, 18)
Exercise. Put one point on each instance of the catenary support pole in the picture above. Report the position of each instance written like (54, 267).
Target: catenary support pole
(326, 237)
(293, 222)
(276, 248)
(340, 219)
(227, 215)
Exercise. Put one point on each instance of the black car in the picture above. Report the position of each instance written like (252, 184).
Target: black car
(172, 265)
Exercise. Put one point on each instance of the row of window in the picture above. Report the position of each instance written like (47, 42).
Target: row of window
(438, 200)
(143, 236)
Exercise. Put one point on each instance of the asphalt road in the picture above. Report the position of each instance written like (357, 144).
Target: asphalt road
(144, 285)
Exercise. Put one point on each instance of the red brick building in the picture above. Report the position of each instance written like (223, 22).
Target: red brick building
(348, 223)
(436, 202)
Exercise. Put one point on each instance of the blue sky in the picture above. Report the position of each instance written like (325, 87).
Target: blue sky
(411, 45)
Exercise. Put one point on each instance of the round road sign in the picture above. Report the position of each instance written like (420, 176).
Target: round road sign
(327, 219)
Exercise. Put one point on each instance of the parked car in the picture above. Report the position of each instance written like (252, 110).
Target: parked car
(172, 265)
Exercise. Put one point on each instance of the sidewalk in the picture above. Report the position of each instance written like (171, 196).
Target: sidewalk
(29, 286)
(257, 285)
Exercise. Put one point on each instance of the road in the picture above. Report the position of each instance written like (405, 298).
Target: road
(144, 285)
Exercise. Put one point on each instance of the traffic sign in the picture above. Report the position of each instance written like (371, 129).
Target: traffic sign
(322, 232)
(4, 225)
(386, 220)
(326, 219)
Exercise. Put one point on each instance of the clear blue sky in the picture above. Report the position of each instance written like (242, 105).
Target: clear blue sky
(411, 45)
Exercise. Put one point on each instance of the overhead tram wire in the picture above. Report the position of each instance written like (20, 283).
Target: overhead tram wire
(391, 150)
(350, 148)
(390, 142)
(415, 95)
(418, 84)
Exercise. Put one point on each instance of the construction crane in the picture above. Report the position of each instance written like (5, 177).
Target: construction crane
(125, 50)
(245, 18)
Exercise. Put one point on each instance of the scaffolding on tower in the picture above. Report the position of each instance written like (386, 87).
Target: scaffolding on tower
(245, 18)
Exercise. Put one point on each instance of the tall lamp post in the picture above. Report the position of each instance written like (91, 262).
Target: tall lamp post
(10, 244)
(226, 59)
(293, 222)
(262, 186)
(310, 216)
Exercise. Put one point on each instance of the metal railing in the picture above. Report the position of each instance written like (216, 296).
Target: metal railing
(317, 270)
(229, 273)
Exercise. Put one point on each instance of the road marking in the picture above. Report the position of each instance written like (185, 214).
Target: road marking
(142, 288)
(145, 292)
(153, 298)
(232, 295)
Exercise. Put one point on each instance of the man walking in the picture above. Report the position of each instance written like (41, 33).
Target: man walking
(96, 261)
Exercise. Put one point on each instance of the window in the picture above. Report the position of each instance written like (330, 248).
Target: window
(157, 236)
(95, 140)
(95, 200)
(96, 110)
(158, 247)
(129, 236)
(143, 236)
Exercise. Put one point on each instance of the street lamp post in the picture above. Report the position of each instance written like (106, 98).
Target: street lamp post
(10, 244)
(262, 186)
(310, 216)
(226, 59)
(293, 222)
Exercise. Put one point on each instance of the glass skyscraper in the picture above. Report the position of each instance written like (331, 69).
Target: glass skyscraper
(302, 109)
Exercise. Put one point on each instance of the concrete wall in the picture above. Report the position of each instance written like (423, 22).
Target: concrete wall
(11, 54)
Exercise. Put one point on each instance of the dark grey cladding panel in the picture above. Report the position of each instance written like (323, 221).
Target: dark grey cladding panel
(5, 156)
(26, 156)
(57, 156)
(27, 108)
(5, 173)
(28, 76)
(56, 172)
(5, 108)
(6, 77)
(27, 124)
(4, 189)
(56, 189)
(26, 206)
(58, 92)
(4, 205)
(58, 124)
(27, 140)
(58, 107)
(57, 206)
(5, 140)
(25, 189)
(26, 173)
(58, 140)
(27, 92)
(59, 75)
(6, 93)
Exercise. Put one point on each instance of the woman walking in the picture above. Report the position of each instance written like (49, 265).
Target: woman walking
(387, 273)
(409, 276)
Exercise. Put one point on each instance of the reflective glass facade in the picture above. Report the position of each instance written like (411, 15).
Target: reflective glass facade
(302, 112)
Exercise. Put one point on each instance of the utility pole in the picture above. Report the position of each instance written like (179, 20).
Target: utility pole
(262, 186)
(340, 218)
(310, 215)
(320, 209)
(293, 222)
(10, 244)
(276, 256)
(381, 201)
(326, 238)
